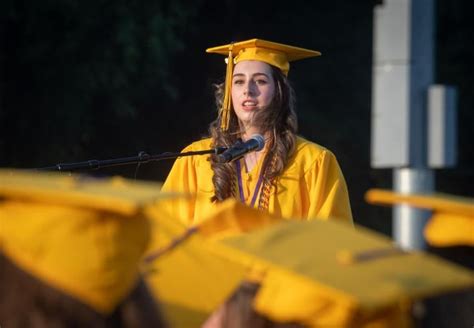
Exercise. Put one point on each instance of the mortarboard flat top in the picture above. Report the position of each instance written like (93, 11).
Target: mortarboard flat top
(276, 54)
(339, 275)
(452, 221)
(437, 202)
(114, 194)
(80, 235)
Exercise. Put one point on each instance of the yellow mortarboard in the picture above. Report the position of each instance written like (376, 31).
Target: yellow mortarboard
(315, 273)
(276, 54)
(82, 236)
(452, 220)
(191, 275)
(329, 274)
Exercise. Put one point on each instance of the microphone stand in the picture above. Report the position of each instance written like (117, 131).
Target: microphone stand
(142, 157)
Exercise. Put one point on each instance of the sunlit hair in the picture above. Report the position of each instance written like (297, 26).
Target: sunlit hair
(238, 312)
(279, 119)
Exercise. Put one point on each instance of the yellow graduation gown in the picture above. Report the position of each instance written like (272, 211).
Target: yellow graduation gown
(311, 186)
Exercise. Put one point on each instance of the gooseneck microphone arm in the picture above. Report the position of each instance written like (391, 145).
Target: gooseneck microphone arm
(239, 149)
(142, 157)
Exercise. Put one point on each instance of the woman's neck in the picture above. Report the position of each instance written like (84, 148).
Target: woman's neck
(252, 158)
(248, 133)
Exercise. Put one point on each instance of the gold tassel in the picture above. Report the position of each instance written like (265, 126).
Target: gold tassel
(225, 110)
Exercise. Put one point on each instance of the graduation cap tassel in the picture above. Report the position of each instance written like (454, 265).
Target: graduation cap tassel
(225, 115)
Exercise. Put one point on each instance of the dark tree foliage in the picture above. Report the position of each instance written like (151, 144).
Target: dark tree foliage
(75, 75)
(456, 67)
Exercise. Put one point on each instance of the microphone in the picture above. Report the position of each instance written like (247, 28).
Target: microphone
(239, 149)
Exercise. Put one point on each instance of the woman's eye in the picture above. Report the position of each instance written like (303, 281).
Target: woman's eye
(261, 82)
(238, 82)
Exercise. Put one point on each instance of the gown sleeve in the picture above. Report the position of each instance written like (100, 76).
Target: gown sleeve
(328, 193)
(182, 181)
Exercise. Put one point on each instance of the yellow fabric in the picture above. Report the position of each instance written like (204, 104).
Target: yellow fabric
(452, 222)
(114, 194)
(276, 54)
(60, 229)
(437, 202)
(300, 282)
(447, 229)
(316, 305)
(314, 288)
(232, 217)
(312, 185)
(190, 280)
(226, 104)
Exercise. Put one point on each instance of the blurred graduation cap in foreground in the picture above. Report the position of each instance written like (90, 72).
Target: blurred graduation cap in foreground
(314, 273)
(452, 219)
(80, 236)
(189, 274)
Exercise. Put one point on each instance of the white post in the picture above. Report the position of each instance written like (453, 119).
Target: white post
(403, 60)
(408, 222)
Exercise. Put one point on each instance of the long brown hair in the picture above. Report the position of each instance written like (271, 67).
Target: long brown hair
(279, 119)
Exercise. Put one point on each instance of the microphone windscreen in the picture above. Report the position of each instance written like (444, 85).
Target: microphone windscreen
(260, 140)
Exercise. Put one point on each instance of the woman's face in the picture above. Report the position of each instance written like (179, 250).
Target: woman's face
(253, 88)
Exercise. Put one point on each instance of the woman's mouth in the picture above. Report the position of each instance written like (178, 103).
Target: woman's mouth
(249, 105)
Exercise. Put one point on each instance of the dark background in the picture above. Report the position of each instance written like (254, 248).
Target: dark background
(103, 79)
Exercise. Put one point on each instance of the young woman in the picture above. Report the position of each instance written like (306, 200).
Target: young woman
(290, 177)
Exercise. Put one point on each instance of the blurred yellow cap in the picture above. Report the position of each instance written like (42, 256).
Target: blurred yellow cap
(317, 273)
(276, 54)
(189, 274)
(327, 274)
(82, 236)
(452, 221)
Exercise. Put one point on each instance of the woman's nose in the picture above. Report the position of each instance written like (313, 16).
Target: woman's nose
(248, 90)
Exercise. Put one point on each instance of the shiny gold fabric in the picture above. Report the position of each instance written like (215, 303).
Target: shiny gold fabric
(312, 185)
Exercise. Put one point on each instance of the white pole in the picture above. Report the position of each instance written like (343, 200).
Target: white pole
(408, 222)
